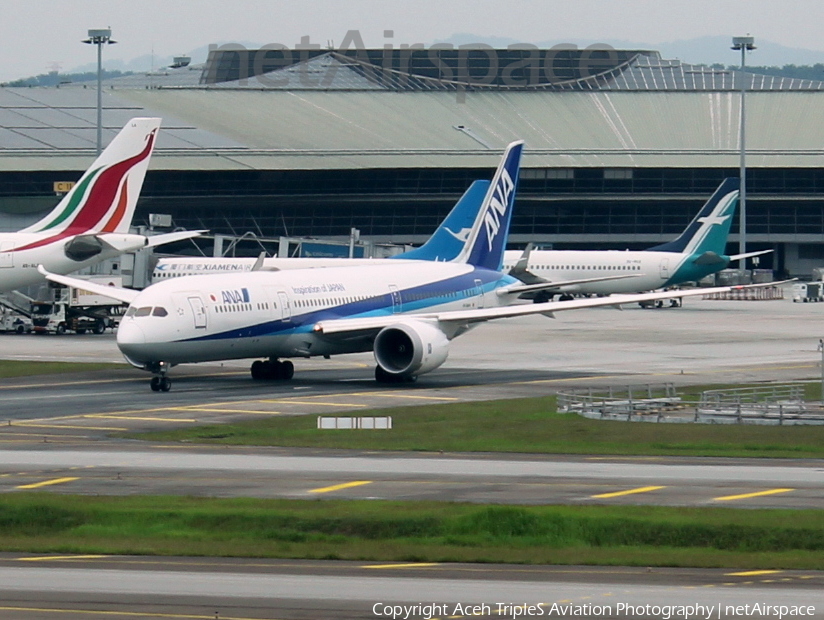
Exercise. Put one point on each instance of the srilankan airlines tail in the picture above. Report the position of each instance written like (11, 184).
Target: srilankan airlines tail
(91, 223)
(105, 197)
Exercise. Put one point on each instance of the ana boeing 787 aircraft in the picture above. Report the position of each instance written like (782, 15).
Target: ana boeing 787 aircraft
(406, 312)
(91, 223)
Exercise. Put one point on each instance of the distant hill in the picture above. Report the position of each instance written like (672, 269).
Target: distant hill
(54, 78)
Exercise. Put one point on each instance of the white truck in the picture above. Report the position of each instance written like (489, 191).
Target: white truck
(76, 310)
(14, 322)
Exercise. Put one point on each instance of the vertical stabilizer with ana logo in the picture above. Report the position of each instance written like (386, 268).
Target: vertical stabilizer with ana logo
(486, 242)
(105, 197)
(709, 230)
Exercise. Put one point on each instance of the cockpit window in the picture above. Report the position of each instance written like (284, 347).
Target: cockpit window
(131, 311)
(160, 311)
(145, 311)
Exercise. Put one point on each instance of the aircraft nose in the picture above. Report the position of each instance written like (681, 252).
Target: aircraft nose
(129, 335)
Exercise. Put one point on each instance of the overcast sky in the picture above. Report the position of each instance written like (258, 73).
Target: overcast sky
(34, 34)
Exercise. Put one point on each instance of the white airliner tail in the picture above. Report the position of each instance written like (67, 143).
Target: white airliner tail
(105, 197)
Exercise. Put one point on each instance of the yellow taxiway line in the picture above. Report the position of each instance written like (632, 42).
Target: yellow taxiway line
(338, 487)
(49, 558)
(115, 614)
(728, 498)
(103, 416)
(46, 483)
(418, 565)
(312, 403)
(627, 492)
(752, 573)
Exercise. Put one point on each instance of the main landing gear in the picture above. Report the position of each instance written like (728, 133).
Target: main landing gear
(272, 370)
(161, 382)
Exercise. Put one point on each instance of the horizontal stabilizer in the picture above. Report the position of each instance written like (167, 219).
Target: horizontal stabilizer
(710, 258)
(748, 255)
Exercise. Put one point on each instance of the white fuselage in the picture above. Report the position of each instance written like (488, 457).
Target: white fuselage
(18, 266)
(176, 267)
(652, 269)
(273, 314)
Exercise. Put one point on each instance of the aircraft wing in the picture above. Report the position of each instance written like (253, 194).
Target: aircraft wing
(558, 285)
(155, 240)
(365, 325)
(519, 270)
(125, 295)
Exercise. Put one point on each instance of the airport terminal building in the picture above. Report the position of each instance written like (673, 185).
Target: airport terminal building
(622, 146)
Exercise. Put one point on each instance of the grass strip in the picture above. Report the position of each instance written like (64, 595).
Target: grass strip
(423, 531)
(526, 425)
(10, 369)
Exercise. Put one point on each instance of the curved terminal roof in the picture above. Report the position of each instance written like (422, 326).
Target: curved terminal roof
(638, 111)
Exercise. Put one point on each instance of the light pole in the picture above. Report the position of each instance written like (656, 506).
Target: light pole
(745, 44)
(99, 37)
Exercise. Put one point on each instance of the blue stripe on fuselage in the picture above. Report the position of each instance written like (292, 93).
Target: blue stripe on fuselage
(414, 299)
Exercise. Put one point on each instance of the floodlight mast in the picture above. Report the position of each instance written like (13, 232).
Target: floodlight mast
(99, 37)
(745, 44)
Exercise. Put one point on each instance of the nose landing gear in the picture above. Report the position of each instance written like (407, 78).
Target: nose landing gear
(161, 382)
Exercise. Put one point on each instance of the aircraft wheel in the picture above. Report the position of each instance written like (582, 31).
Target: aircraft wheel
(271, 370)
(257, 370)
(287, 370)
(155, 384)
(165, 384)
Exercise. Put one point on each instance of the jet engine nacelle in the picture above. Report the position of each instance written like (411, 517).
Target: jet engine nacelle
(83, 247)
(409, 349)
